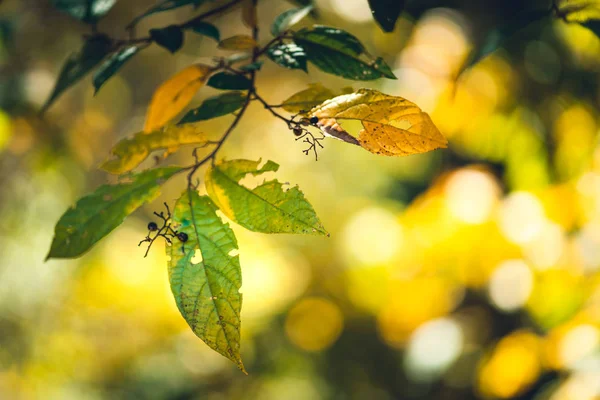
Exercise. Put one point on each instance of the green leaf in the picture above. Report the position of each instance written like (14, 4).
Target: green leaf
(288, 18)
(267, 208)
(88, 11)
(206, 29)
(337, 52)
(496, 38)
(207, 293)
(288, 55)
(311, 97)
(215, 106)
(386, 12)
(131, 152)
(227, 81)
(78, 65)
(112, 65)
(97, 214)
(171, 37)
(167, 5)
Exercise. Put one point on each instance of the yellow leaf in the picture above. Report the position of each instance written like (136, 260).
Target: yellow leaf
(249, 14)
(238, 42)
(393, 126)
(130, 152)
(308, 98)
(174, 95)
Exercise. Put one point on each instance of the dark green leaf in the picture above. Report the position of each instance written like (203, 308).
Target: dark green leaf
(88, 11)
(288, 55)
(496, 38)
(167, 5)
(79, 64)
(206, 29)
(112, 65)
(97, 214)
(288, 18)
(255, 66)
(227, 81)
(171, 37)
(215, 106)
(337, 52)
(207, 292)
(386, 12)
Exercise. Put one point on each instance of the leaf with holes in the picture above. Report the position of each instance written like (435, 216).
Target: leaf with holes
(289, 18)
(207, 292)
(337, 52)
(228, 81)
(238, 42)
(130, 152)
(112, 65)
(392, 126)
(89, 11)
(266, 208)
(306, 99)
(174, 95)
(97, 214)
(288, 55)
(78, 65)
(216, 106)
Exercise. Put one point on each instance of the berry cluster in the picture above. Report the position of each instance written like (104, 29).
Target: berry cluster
(165, 231)
(299, 130)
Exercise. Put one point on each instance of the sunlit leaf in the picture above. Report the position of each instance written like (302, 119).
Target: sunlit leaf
(130, 152)
(393, 126)
(89, 11)
(584, 12)
(309, 98)
(386, 12)
(97, 214)
(167, 5)
(238, 42)
(78, 65)
(171, 37)
(113, 64)
(337, 52)
(288, 55)
(215, 106)
(228, 81)
(207, 292)
(174, 95)
(268, 208)
(289, 18)
(206, 29)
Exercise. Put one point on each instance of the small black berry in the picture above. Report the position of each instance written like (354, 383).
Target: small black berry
(152, 226)
(314, 120)
(182, 236)
(297, 131)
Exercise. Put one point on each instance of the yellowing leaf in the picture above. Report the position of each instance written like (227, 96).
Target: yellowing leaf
(309, 98)
(393, 126)
(130, 152)
(238, 42)
(174, 95)
(249, 14)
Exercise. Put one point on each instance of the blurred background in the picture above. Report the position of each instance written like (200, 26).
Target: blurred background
(466, 273)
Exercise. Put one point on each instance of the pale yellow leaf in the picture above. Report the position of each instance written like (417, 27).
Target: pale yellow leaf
(308, 98)
(174, 95)
(238, 42)
(130, 152)
(393, 126)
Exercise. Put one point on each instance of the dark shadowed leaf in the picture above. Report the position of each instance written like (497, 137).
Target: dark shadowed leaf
(207, 292)
(113, 64)
(88, 11)
(97, 214)
(227, 81)
(171, 37)
(215, 106)
(288, 55)
(268, 208)
(205, 29)
(78, 65)
(167, 5)
(288, 18)
(386, 12)
(337, 52)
